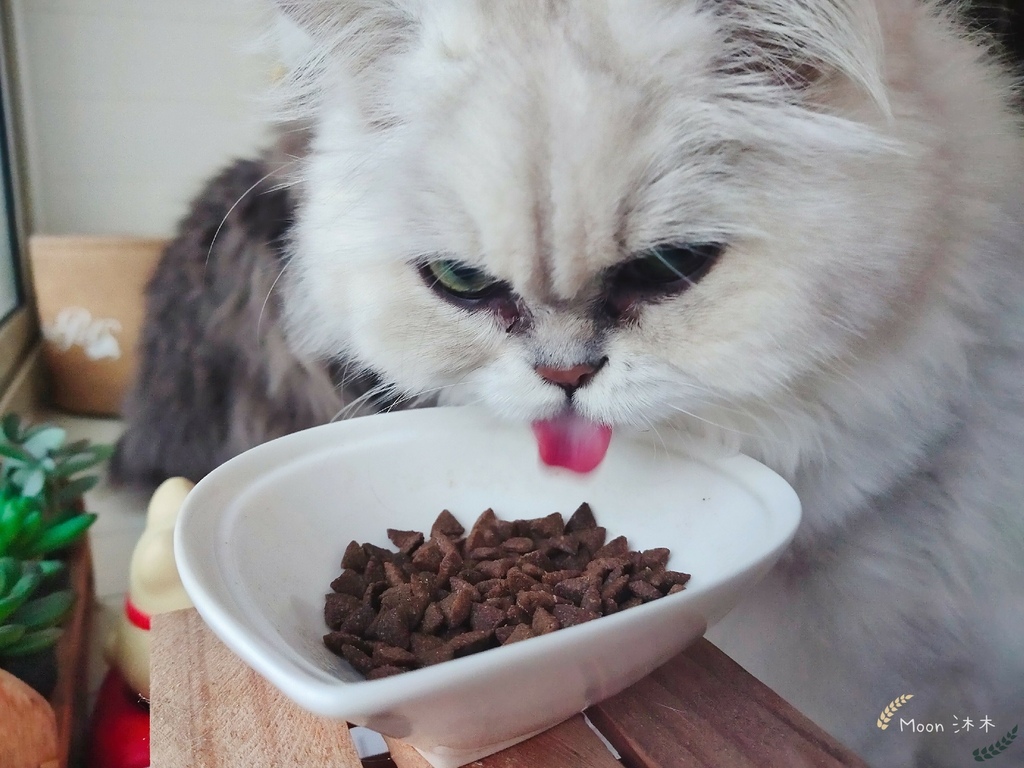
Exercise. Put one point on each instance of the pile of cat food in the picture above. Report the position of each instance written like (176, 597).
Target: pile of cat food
(447, 596)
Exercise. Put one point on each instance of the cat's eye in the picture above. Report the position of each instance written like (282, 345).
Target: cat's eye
(662, 271)
(668, 268)
(459, 280)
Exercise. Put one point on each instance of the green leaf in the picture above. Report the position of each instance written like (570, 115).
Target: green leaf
(9, 634)
(21, 591)
(10, 572)
(31, 527)
(33, 483)
(16, 453)
(11, 426)
(62, 534)
(44, 612)
(101, 451)
(45, 439)
(76, 488)
(50, 568)
(74, 466)
(33, 642)
(10, 524)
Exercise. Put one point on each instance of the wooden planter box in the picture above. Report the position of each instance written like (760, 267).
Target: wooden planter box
(35, 733)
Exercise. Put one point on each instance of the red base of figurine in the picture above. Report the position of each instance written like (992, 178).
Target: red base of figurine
(119, 733)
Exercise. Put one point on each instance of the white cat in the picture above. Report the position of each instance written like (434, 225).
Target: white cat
(791, 226)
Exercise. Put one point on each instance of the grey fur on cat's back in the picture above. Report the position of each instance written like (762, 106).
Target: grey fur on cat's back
(216, 375)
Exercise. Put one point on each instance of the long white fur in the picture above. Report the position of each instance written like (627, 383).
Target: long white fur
(863, 333)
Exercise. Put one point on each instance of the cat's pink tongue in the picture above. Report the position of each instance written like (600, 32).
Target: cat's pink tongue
(570, 441)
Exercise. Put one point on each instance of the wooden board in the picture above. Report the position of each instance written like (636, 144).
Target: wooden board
(571, 744)
(701, 709)
(68, 698)
(704, 709)
(209, 710)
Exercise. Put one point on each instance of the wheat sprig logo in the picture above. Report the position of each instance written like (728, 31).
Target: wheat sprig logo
(890, 710)
(987, 753)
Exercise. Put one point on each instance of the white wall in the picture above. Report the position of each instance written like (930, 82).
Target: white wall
(129, 105)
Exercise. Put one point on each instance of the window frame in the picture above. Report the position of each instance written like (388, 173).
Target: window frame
(19, 331)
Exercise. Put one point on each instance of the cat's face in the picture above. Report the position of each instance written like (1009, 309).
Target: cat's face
(599, 207)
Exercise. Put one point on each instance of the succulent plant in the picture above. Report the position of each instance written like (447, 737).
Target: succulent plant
(39, 465)
(29, 624)
(27, 532)
(41, 486)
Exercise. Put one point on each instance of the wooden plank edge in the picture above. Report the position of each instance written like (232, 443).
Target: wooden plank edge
(68, 698)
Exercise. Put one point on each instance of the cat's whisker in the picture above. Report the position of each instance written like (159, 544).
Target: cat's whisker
(263, 309)
(367, 396)
(717, 425)
(223, 221)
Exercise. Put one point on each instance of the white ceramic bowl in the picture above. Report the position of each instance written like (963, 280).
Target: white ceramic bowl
(260, 539)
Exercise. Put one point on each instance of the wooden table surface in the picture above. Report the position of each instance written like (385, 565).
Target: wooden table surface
(209, 710)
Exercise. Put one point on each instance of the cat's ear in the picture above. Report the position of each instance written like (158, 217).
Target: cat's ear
(799, 44)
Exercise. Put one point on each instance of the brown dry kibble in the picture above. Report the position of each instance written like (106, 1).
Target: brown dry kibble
(354, 557)
(592, 539)
(359, 620)
(544, 622)
(517, 581)
(339, 607)
(519, 632)
(519, 545)
(471, 642)
(557, 577)
(582, 519)
(485, 617)
(447, 596)
(391, 627)
(614, 589)
(406, 541)
(529, 602)
(592, 602)
(335, 641)
(675, 578)
(420, 643)
(484, 532)
(390, 655)
(545, 527)
(428, 557)
(446, 525)
(644, 590)
(496, 569)
(573, 589)
(456, 607)
(492, 588)
(654, 558)
(450, 565)
(350, 583)
(617, 547)
(436, 655)
(359, 660)
(384, 671)
(393, 575)
(570, 615)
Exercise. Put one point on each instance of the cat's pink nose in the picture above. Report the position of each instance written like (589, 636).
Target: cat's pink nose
(569, 379)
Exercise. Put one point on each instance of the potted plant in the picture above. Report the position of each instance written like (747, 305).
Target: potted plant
(45, 573)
